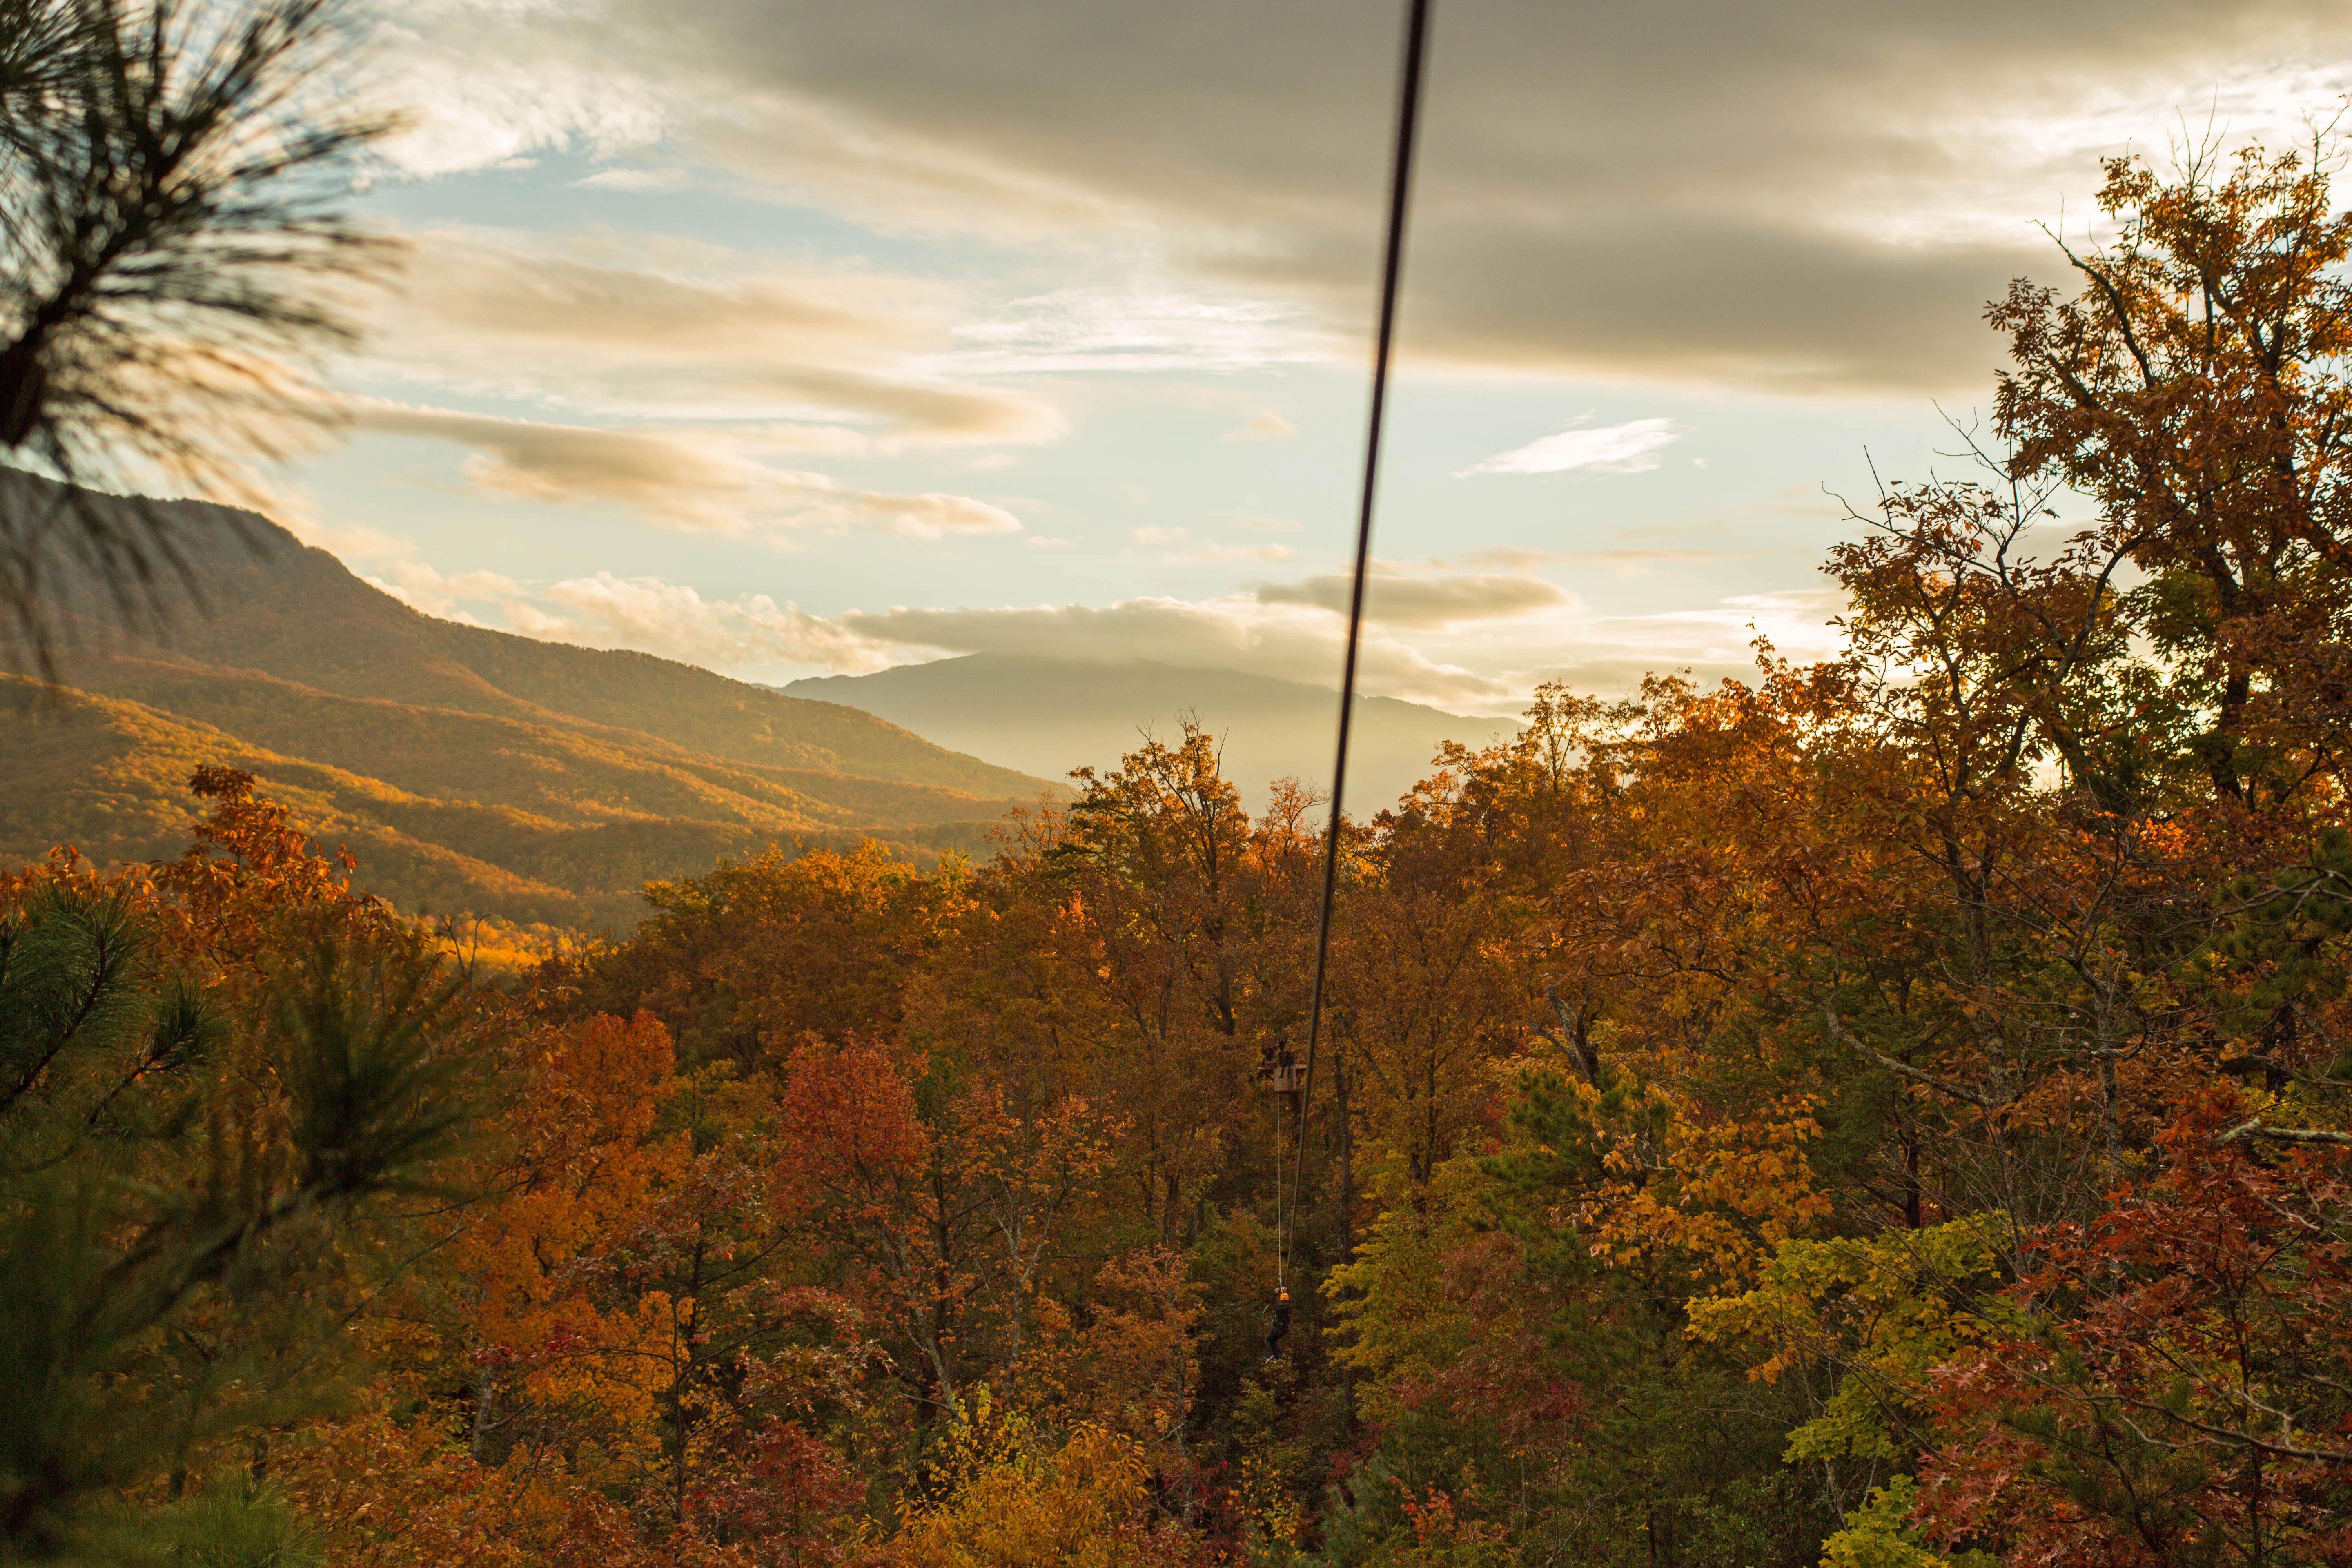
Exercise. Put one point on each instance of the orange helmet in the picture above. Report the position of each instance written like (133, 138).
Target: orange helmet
(1284, 1297)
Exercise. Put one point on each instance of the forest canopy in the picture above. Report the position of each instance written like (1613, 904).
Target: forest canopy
(1890, 1112)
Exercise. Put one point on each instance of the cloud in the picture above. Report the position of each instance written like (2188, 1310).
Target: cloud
(1236, 634)
(692, 482)
(849, 359)
(1209, 551)
(1702, 189)
(1265, 426)
(348, 541)
(472, 100)
(1423, 602)
(1468, 644)
(750, 636)
(1796, 620)
(633, 179)
(1632, 448)
(1480, 666)
(676, 621)
(1516, 558)
(669, 478)
(420, 587)
(1148, 326)
(933, 516)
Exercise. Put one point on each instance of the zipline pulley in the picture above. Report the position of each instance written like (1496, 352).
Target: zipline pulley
(1279, 1068)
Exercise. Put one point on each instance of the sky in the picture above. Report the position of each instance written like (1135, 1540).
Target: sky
(792, 337)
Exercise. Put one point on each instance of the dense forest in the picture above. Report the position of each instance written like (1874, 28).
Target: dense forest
(1884, 1112)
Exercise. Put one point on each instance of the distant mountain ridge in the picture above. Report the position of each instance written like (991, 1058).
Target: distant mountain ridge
(1048, 715)
(468, 769)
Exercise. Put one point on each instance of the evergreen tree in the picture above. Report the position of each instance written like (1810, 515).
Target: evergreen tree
(177, 1168)
(172, 253)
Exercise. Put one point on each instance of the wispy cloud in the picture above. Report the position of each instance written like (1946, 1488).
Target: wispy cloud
(693, 481)
(1767, 215)
(674, 621)
(1516, 558)
(1632, 448)
(1424, 601)
(750, 635)
(1461, 641)
(1233, 633)
(1141, 328)
(1265, 426)
(670, 330)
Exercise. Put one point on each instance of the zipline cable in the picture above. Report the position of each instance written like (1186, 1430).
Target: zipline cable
(1416, 36)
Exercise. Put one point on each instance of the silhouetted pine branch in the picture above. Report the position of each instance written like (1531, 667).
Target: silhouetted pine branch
(175, 255)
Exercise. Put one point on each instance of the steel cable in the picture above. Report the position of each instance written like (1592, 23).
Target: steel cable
(1416, 34)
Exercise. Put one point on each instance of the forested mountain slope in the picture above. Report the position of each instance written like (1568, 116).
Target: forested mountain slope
(468, 769)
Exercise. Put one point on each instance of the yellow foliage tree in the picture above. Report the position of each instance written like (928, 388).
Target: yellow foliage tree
(1017, 1499)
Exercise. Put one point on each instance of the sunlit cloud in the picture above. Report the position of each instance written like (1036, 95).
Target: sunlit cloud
(1423, 602)
(1750, 205)
(1265, 426)
(475, 100)
(687, 480)
(1632, 448)
(420, 587)
(1469, 644)
(752, 633)
(1234, 633)
(833, 360)
(1143, 330)
(633, 179)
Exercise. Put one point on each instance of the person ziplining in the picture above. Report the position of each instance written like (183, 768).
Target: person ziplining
(1281, 1329)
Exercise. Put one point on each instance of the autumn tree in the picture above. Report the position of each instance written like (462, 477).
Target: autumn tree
(2172, 1388)
(1158, 855)
(2193, 388)
(742, 964)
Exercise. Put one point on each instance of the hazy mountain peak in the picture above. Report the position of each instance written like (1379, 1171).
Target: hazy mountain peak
(1047, 716)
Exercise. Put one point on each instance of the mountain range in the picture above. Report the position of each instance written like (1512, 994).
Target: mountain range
(1047, 716)
(476, 772)
(469, 770)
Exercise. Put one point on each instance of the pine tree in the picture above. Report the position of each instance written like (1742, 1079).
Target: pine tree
(179, 1172)
(174, 254)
